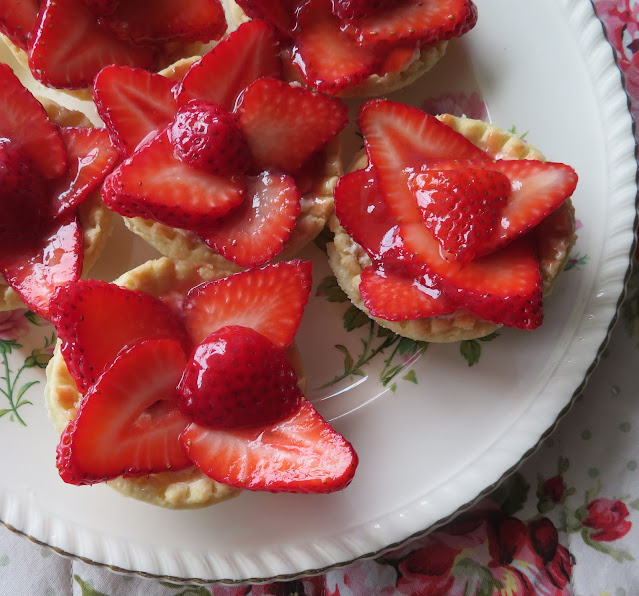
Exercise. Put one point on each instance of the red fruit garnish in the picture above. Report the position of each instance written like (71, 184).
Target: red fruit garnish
(208, 137)
(25, 121)
(94, 320)
(248, 53)
(280, 13)
(18, 20)
(285, 125)
(167, 21)
(425, 22)
(91, 157)
(133, 103)
(128, 424)
(355, 9)
(153, 183)
(69, 47)
(238, 378)
(50, 258)
(254, 233)
(462, 207)
(270, 300)
(101, 8)
(300, 454)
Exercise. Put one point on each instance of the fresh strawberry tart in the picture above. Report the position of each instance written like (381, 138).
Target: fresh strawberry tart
(448, 228)
(180, 385)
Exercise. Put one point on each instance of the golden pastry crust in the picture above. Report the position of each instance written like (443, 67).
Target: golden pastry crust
(95, 218)
(557, 237)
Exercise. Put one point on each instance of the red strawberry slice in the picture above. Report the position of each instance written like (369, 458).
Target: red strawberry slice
(280, 13)
(155, 184)
(395, 296)
(270, 300)
(285, 125)
(238, 378)
(425, 22)
(248, 53)
(133, 103)
(69, 47)
(461, 206)
(35, 269)
(101, 8)
(18, 20)
(354, 9)
(167, 21)
(328, 58)
(91, 157)
(94, 320)
(255, 232)
(24, 120)
(127, 423)
(300, 454)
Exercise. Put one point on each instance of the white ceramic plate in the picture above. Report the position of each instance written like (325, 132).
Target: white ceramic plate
(431, 440)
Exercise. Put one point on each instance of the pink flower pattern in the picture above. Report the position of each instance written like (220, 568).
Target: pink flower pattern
(13, 324)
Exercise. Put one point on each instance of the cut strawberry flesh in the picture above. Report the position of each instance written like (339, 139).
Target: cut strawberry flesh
(248, 53)
(91, 157)
(353, 9)
(280, 13)
(270, 300)
(153, 183)
(300, 454)
(127, 423)
(255, 232)
(94, 320)
(25, 121)
(18, 20)
(285, 125)
(133, 103)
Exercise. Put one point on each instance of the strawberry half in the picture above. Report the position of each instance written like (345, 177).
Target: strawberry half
(25, 121)
(133, 103)
(91, 157)
(238, 378)
(18, 20)
(300, 454)
(254, 233)
(285, 125)
(127, 423)
(270, 300)
(69, 47)
(155, 184)
(94, 320)
(248, 53)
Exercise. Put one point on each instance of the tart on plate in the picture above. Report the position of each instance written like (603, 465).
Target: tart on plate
(448, 228)
(359, 48)
(224, 161)
(180, 384)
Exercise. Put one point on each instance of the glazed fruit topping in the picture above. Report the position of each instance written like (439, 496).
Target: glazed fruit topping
(18, 20)
(356, 9)
(238, 378)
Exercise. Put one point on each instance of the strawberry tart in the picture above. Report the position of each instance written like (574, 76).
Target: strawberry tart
(448, 228)
(65, 43)
(359, 48)
(180, 385)
(53, 225)
(224, 162)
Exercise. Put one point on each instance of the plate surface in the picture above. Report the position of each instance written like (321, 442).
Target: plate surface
(432, 432)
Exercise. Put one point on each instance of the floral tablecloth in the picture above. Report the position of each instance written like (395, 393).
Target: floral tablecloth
(566, 523)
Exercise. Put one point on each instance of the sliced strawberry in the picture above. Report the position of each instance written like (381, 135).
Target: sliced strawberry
(94, 320)
(425, 22)
(24, 120)
(300, 454)
(101, 8)
(248, 53)
(52, 259)
(394, 296)
(167, 21)
(153, 183)
(238, 378)
(127, 423)
(270, 300)
(355, 9)
(255, 232)
(69, 47)
(91, 157)
(280, 13)
(328, 58)
(18, 20)
(133, 103)
(285, 125)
